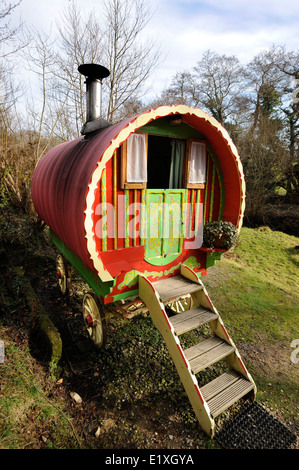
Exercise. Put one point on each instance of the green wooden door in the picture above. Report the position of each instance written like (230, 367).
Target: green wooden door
(165, 225)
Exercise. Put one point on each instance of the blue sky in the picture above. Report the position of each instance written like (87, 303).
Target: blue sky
(186, 28)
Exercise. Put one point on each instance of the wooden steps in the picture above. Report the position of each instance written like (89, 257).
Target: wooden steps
(187, 321)
(207, 352)
(224, 391)
(216, 396)
(174, 287)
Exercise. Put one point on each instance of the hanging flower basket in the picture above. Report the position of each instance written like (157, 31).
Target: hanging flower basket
(221, 235)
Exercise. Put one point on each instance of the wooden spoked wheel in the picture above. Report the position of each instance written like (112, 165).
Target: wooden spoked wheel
(94, 319)
(180, 305)
(62, 273)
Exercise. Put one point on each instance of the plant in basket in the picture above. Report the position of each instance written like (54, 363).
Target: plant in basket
(220, 235)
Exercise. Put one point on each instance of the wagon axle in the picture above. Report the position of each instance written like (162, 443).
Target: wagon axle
(89, 321)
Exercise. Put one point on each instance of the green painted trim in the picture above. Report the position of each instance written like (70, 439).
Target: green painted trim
(135, 222)
(191, 211)
(124, 295)
(127, 204)
(101, 289)
(103, 197)
(115, 197)
(220, 180)
(161, 126)
(206, 190)
(162, 260)
(212, 193)
(143, 217)
(197, 211)
(212, 258)
(183, 228)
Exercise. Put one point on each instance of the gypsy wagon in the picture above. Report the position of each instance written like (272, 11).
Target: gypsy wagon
(126, 204)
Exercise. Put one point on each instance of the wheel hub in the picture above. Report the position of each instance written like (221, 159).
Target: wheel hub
(89, 321)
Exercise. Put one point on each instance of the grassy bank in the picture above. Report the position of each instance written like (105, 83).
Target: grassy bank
(258, 285)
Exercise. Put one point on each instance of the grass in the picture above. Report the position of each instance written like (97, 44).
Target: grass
(259, 285)
(29, 415)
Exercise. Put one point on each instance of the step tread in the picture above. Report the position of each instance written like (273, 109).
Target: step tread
(225, 390)
(190, 319)
(174, 287)
(207, 353)
(220, 383)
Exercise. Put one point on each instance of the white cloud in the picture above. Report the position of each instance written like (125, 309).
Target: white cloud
(234, 27)
(186, 28)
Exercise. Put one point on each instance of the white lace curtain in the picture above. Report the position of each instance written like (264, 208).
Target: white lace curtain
(136, 159)
(197, 172)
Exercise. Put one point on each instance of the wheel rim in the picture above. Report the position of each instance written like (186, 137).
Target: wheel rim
(94, 320)
(180, 305)
(61, 273)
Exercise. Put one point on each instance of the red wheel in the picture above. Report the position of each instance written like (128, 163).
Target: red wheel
(94, 319)
(62, 274)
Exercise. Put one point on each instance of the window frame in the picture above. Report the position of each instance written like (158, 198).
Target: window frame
(124, 158)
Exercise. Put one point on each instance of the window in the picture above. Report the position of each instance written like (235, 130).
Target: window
(196, 174)
(177, 163)
(134, 167)
(160, 162)
(165, 167)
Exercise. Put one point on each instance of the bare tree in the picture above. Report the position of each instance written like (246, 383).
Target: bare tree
(115, 42)
(130, 58)
(219, 83)
(263, 79)
(12, 176)
(182, 90)
(287, 62)
(8, 33)
(42, 62)
(80, 41)
(12, 38)
(9, 45)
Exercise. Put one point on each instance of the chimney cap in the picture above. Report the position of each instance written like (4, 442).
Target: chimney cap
(94, 71)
